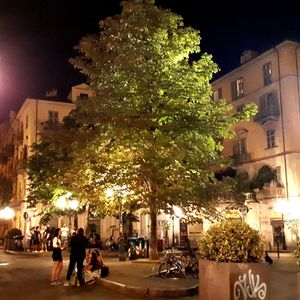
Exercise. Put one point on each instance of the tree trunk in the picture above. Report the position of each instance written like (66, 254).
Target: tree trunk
(153, 253)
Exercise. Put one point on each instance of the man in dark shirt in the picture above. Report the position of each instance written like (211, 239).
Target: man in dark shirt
(78, 244)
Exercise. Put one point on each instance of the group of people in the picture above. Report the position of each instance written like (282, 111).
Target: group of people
(38, 239)
(77, 244)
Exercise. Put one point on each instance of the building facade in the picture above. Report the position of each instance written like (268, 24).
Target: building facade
(271, 138)
(16, 139)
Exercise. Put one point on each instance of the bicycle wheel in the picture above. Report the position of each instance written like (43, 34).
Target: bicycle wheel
(164, 269)
(186, 259)
(155, 269)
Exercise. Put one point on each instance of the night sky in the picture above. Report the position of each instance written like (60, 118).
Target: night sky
(37, 37)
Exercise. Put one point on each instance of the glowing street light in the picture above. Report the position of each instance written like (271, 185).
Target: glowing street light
(64, 202)
(7, 213)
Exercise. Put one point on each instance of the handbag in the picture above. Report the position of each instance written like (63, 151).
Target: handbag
(104, 271)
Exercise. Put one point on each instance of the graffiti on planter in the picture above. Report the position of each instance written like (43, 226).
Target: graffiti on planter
(249, 287)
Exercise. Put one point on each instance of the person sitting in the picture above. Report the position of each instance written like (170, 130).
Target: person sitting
(94, 263)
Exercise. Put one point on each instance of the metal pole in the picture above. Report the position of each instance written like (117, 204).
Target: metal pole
(122, 256)
(173, 233)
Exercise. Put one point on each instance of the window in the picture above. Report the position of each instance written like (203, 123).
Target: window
(270, 138)
(267, 71)
(240, 108)
(239, 147)
(278, 178)
(269, 104)
(52, 116)
(26, 122)
(217, 94)
(237, 88)
(82, 97)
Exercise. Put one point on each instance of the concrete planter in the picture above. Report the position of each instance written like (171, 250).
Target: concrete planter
(233, 281)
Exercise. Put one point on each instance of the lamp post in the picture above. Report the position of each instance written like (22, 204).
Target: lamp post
(7, 213)
(66, 203)
(118, 193)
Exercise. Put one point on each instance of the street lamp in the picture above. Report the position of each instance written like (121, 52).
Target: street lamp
(118, 193)
(7, 213)
(66, 203)
(178, 214)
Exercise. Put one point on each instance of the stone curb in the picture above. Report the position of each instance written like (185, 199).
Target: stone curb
(129, 290)
(140, 292)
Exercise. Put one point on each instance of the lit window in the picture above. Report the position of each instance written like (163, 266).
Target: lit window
(239, 147)
(278, 178)
(82, 97)
(237, 88)
(217, 94)
(53, 116)
(270, 138)
(267, 71)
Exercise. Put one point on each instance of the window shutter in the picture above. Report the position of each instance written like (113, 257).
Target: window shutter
(275, 103)
(233, 90)
(262, 105)
(220, 93)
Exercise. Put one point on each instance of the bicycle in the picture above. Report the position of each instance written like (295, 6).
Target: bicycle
(190, 262)
(171, 266)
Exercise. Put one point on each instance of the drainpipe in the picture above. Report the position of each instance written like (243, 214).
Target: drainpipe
(282, 125)
(36, 119)
(297, 74)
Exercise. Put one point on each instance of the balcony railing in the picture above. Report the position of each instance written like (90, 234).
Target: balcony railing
(241, 158)
(272, 114)
(271, 191)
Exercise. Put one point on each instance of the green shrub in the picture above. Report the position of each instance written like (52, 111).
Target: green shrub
(231, 242)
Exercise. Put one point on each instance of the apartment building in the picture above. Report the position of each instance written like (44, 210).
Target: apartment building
(271, 138)
(19, 134)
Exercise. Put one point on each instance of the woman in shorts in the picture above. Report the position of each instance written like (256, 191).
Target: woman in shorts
(57, 258)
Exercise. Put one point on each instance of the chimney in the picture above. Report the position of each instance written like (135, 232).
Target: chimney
(247, 55)
(52, 93)
(12, 115)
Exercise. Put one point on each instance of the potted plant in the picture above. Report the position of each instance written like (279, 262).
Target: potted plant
(231, 265)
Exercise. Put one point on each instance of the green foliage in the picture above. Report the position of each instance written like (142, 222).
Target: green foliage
(151, 126)
(231, 242)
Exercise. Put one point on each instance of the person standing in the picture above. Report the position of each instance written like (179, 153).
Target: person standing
(57, 257)
(78, 244)
(64, 234)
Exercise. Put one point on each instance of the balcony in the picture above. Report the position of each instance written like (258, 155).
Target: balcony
(270, 115)
(241, 158)
(271, 191)
(50, 125)
(268, 108)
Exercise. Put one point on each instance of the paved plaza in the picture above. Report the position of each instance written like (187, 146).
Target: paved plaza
(26, 276)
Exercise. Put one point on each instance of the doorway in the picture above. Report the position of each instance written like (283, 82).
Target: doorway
(278, 234)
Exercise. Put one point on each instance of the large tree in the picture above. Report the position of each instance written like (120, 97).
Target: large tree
(151, 133)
